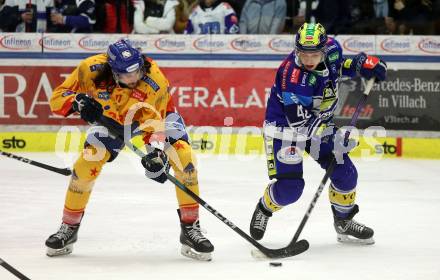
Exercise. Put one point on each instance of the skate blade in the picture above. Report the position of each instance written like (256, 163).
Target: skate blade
(191, 253)
(59, 252)
(342, 238)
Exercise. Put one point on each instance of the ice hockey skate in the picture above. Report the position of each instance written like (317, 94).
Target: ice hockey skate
(61, 242)
(350, 231)
(259, 221)
(194, 244)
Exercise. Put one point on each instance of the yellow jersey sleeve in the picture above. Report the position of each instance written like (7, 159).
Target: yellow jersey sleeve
(81, 80)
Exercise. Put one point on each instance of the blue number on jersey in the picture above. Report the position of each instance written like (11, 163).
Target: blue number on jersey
(210, 27)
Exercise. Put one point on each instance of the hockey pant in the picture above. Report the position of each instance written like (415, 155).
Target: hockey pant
(105, 149)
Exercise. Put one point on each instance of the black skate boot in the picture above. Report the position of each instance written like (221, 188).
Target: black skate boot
(61, 243)
(259, 221)
(350, 231)
(194, 244)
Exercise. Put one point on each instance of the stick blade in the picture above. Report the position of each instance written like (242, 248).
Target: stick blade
(289, 251)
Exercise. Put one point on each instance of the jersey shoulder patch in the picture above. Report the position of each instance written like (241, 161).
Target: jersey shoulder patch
(96, 67)
(151, 82)
(334, 51)
(155, 79)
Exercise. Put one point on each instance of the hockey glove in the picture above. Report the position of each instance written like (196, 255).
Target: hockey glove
(334, 136)
(370, 67)
(156, 165)
(89, 109)
(341, 145)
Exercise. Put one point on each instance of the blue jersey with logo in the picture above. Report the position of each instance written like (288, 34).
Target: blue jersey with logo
(218, 19)
(302, 99)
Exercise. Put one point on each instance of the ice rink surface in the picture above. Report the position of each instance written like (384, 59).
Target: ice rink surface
(131, 230)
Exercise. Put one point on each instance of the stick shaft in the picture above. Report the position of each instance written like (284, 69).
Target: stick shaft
(12, 270)
(62, 171)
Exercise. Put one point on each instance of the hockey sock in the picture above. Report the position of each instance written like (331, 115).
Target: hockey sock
(189, 214)
(268, 200)
(72, 217)
(343, 201)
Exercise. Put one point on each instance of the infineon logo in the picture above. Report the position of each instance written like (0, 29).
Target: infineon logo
(393, 45)
(429, 45)
(206, 44)
(93, 44)
(356, 44)
(51, 43)
(13, 42)
(281, 45)
(170, 45)
(139, 44)
(246, 45)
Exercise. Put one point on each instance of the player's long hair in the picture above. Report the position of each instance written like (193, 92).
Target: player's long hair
(105, 78)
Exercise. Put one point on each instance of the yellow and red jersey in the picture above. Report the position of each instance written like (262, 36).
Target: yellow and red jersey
(147, 104)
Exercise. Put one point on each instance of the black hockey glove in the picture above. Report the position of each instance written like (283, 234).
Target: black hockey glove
(89, 109)
(370, 67)
(156, 165)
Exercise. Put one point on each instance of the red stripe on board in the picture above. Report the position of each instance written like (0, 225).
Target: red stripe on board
(399, 146)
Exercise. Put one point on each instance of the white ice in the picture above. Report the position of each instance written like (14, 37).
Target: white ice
(131, 231)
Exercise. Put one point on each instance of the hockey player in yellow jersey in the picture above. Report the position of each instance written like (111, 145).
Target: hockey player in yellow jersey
(127, 91)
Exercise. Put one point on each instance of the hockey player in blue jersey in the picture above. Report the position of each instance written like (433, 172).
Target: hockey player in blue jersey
(299, 117)
(212, 17)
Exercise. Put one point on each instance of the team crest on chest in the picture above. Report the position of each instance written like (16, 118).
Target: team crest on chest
(328, 93)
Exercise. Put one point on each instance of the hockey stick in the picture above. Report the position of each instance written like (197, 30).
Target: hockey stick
(294, 248)
(12, 270)
(62, 171)
(332, 164)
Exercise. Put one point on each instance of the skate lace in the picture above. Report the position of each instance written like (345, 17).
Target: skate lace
(196, 233)
(65, 232)
(355, 226)
(261, 221)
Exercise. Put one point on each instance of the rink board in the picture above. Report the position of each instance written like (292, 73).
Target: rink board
(224, 78)
(203, 71)
(224, 143)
